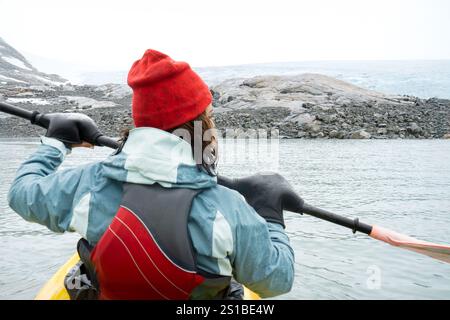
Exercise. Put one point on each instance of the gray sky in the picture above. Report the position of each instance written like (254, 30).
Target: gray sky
(110, 35)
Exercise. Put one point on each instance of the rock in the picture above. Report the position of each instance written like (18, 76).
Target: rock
(304, 119)
(360, 134)
(320, 135)
(382, 131)
(327, 118)
(446, 136)
(333, 134)
(414, 128)
(313, 127)
(215, 94)
(345, 126)
(395, 129)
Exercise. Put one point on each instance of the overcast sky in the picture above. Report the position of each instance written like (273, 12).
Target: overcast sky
(110, 35)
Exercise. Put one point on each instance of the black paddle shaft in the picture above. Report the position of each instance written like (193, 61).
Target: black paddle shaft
(353, 224)
(16, 111)
(40, 120)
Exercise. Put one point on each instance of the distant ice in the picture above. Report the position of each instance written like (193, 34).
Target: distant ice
(16, 62)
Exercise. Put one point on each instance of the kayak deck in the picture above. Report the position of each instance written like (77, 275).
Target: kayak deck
(54, 288)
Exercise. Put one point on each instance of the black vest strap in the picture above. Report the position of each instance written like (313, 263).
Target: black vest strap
(84, 250)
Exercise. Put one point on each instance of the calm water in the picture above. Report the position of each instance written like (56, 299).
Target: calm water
(404, 185)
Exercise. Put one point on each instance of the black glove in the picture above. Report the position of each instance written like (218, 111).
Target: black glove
(269, 194)
(71, 128)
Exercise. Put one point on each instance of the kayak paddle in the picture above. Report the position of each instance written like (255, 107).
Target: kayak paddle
(433, 250)
(436, 251)
(41, 120)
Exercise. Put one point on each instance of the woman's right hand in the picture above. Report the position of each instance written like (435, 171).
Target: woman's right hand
(268, 193)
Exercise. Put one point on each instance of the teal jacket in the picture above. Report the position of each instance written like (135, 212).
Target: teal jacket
(229, 238)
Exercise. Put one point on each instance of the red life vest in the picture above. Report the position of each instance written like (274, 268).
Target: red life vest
(146, 252)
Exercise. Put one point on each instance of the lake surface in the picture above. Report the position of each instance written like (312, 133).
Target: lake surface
(400, 184)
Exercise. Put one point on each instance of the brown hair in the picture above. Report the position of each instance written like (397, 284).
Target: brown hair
(201, 129)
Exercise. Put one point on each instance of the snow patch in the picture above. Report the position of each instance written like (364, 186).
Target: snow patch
(25, 94)
(16, 62)
(36, 101)
(10, 79)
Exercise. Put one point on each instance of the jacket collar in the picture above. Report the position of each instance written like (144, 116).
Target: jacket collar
(154, 155)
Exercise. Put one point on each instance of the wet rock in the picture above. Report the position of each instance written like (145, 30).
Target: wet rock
(313, 127)
(320, 135)
(333, 134)
(414, 128)
(360, 134)
(382, 131)
(304, 119)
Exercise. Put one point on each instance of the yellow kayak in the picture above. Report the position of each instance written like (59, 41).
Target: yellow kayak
(54, 288)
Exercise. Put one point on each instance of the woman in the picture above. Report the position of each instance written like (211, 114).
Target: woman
(155, 222)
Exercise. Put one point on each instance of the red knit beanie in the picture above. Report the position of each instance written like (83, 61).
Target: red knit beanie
(166, 93)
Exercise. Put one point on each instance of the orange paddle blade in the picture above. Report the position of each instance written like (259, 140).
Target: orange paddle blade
(433, 250)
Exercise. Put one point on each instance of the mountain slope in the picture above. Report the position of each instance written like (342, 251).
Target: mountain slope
(15, 69)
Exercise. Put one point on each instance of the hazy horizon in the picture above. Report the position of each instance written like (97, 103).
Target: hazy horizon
(74, 72)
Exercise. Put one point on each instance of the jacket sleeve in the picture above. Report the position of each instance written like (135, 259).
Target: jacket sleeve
(263, 260)
(39, 193)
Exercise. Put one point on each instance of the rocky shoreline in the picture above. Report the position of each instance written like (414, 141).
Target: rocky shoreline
(317, 106)
(304, 106)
